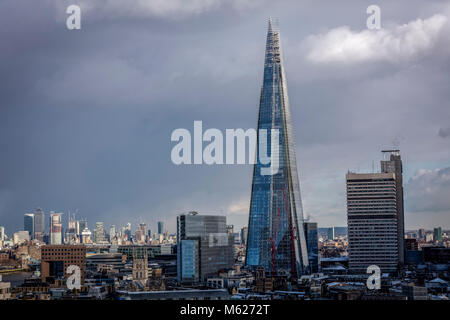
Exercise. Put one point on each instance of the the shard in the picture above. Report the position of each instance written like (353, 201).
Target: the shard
(276, 240)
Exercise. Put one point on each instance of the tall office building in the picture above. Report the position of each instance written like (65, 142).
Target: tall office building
(20, 237)
(374, 215)
(55, 228)
(86, 236)
(2, 234)
(28, 224)
(39, 224)
(82, 224)
(312, 240)
(204, 246)
(330, 233)
(437, 234)
(71, 234)
(421, 234)
(160, 227)
(276, 240)
(141, 233)
(99, 233)
(244, 234)
(393, 164)
(112, 232)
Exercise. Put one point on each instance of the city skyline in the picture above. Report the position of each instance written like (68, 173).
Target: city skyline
(104, 149)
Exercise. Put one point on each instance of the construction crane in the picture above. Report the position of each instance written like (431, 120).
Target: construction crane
(291, 230)
(273, 239)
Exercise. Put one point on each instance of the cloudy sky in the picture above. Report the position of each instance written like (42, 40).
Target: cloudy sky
(86, 115)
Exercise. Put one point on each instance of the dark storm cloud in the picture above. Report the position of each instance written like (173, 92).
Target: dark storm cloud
(86, 116)
(427, 195)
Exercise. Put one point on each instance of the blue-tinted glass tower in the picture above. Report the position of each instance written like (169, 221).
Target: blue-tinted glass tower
(276, 239)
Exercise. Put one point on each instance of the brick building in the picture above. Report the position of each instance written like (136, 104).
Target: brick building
(55, 259)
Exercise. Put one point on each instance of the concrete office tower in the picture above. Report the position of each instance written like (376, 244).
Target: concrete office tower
(99, 233)
(374, 214)
(276, 239)
(312, 240)
(39, 224)
(203, 246)
(28, 224)
(55, 228)
(393, 164)
(160, 227)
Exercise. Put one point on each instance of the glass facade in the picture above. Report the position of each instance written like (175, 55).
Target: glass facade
(188, 256)
(276, 239)
(213, 246)
(312, 240)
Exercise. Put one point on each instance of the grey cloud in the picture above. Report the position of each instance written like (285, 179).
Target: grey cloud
(429, 190)
(163, 9)
(393, 44)
(444, 133)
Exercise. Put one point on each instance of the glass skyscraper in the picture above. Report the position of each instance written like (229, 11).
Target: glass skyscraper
(312, 240)
(204, 246)
(276, 239)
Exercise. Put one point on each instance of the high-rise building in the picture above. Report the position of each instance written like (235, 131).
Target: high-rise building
(39, 224)
(99, 233)
(204, 246)
(55, 228)
(393, 164)
(82, 224)
(86, 236)
(2, 234)
(160, 227)
(429, 237)
(71, 234)
(330, 233)
(421, 234)
(312, 240)
(374, 215)
(128, 231)
(244, 234)
(276, 240)
(437, 234)
(112, 232)
(20, 237)
(28, 224)
(141, 233)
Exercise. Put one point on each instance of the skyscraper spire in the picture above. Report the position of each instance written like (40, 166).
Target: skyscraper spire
(276, 240)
